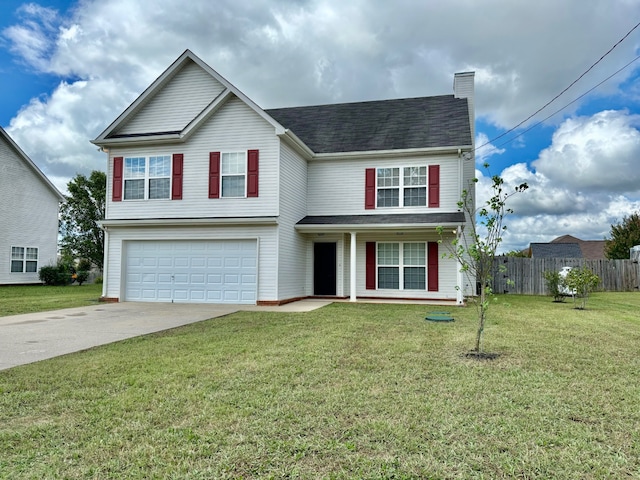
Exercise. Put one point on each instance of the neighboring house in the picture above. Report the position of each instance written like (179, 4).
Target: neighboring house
(28, 217)
(568, 246)
(212, 199)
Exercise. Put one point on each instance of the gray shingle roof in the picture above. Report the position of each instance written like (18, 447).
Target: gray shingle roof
(555, 250)
(439, 121)
(395, 218)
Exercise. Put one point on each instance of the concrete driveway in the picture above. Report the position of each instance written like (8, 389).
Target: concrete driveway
(37, 336)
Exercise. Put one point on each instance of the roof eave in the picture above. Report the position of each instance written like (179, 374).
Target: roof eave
(452, 149)
(183, 222)
(318, 228)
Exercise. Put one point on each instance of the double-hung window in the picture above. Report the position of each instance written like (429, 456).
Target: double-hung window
(402, 266)
(401, 187)
(233, 173)
(24, 260)
(147, 177)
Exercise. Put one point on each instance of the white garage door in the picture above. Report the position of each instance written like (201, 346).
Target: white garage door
(217, 271)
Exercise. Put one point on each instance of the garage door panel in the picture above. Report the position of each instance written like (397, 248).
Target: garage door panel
(216, 271)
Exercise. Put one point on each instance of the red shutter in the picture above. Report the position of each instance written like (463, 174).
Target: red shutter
(370, 264)
(117, 179)
(370, 189)
(252, 173)
(214, 175)
(434, 185)
(176, 171)
(432, 266)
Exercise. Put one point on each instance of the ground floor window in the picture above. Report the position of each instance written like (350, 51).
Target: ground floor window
(24, 259)
(402, 265)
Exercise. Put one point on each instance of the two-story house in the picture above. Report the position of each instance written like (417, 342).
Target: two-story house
(210, 198)
(28, 216)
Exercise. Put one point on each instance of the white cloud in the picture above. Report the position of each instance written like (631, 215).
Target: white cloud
(485, 149)
(289, 52)
(584, 182)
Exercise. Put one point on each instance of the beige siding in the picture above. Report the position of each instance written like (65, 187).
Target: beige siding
(175, 105)
(28, 217)
(267, 259)
(292, 246)
(336, 187)
(235, 127)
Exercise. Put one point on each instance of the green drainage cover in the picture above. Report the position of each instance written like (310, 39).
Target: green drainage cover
(439, 317)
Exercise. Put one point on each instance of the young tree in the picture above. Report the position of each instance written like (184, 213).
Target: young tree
(79, 216)
(623, 236)
(583, 281)
(476, 250)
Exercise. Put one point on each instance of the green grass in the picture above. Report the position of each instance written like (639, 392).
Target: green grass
(348, 391)
(40, 298)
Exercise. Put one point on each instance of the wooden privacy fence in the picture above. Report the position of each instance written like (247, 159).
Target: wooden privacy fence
(527, 274)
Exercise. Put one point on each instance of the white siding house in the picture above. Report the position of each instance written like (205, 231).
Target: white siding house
(28, 216)
(212, 199)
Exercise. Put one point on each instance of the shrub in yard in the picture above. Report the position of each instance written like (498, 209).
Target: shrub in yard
(59, 274)
(82, 276)
(555, 285)
(98, 280)
(583, 281)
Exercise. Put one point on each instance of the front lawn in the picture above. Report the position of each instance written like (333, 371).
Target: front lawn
(348, 391)
(40, 298)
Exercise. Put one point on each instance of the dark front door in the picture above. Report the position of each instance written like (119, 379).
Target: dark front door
(324, 268)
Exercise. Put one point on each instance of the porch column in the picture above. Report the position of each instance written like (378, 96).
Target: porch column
(352, 269)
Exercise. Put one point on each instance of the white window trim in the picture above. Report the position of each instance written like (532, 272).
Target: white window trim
(401, 267)
(402, 187)
(222, 175)
(24, 259)
(146, 178)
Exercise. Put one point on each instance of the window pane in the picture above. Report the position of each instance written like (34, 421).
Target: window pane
(388, 197)
(233, 163)
(16, 266)
(17, 253)
(32, 253)
(159, 188)
(388, 254)
(389, 277)
(413, 254)
(415, 176)
(414, 278)
(233, 186)
(160, 166)
(134, 167)
(32, 266)
(388, 177)
(134, 189)
(414, 197)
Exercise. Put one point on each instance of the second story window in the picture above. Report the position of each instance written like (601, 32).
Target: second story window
(233, 173)
(401, 187)
(147, 177)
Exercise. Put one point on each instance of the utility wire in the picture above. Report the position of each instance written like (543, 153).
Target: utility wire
(562, 92)
(565, 106)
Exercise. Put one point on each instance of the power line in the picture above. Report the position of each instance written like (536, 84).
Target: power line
(565, 106)
(562, 92)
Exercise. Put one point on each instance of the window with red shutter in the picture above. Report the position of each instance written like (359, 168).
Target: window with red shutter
(252, 173)
(370, 188)
(117, 179)
(432, 266)
(370, 264)
(214, 175)
(176, 181)
(434, 186)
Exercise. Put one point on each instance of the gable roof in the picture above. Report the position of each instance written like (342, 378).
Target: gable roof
(425, 122)
(403, 124)
(32, 166)
(555, 250)
(110, 134)
(591, 249)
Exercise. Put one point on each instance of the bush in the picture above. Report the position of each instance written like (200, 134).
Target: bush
(59, 274)
(98, 280)
(84, 265)
(81, 276)
(555, 285)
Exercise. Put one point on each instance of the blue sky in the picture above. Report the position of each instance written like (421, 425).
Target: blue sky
(68, 68)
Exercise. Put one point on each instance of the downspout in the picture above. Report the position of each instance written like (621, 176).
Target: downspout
(459, 274)
(105, 277)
